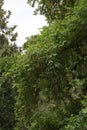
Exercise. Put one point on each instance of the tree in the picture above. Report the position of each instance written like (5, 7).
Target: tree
(7, 94)
(52, 9)
(8, 49)
(51, 77)
(7, 37)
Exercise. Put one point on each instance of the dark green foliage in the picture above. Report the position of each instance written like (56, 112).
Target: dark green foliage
(6, 98)
(7, 93)
(52, 9)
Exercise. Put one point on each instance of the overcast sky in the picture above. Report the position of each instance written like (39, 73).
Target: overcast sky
(22, 16)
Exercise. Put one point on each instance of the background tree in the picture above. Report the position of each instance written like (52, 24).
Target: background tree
(7, 50)
(52, 9)
(7, 37)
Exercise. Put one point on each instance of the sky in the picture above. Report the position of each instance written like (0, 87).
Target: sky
(22, 16)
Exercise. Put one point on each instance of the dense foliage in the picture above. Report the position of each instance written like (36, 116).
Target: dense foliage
(51, 76)
(49, 79)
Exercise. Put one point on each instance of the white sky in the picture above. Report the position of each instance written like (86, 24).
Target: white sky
(22, 16)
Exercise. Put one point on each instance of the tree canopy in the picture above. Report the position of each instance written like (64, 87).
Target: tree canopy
(45, 86)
